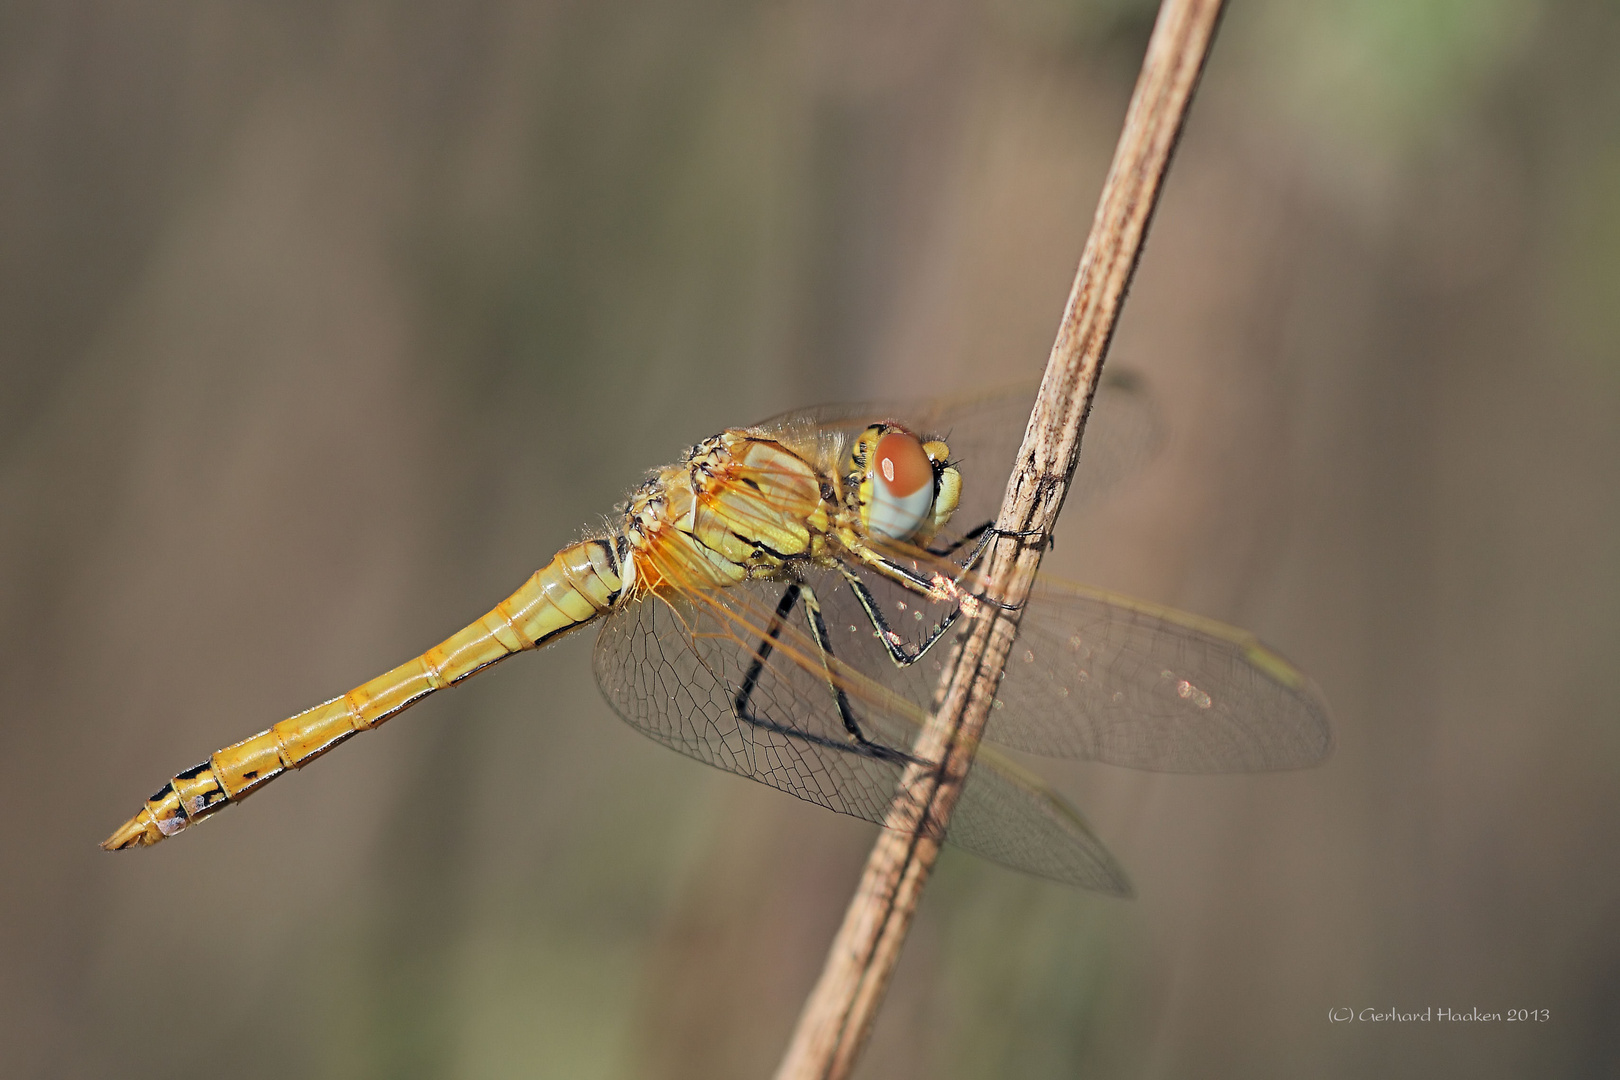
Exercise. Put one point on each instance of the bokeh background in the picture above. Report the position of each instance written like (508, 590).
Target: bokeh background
(323, 324)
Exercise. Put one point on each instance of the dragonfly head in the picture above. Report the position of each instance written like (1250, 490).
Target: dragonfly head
(903, 487)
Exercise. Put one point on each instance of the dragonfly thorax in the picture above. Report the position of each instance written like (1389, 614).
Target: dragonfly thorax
(737, 506)
(743, 505)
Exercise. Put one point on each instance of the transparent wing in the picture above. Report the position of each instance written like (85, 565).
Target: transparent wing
(1100, 676)
(984, 432)
(1011, 817)
(674, 666)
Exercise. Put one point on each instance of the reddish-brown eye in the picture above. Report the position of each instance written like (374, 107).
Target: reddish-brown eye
(902, 486)
(901, 465)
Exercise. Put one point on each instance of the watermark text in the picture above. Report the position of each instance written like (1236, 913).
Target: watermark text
(1436, 1014)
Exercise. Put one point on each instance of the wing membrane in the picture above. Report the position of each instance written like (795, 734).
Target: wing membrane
(984, 432)
(1100, 676)
(672, 665)
(1103, 677)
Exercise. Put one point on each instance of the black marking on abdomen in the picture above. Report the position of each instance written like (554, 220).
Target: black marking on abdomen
(539, 641)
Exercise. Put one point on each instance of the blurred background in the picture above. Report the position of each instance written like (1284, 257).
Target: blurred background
(323, 325)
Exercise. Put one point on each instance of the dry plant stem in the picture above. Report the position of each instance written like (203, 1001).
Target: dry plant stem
(841, 1009)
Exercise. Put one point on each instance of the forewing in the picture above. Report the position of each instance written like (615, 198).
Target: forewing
(1099, 676)
(984, 432)
(1122, 433)
(672, 665)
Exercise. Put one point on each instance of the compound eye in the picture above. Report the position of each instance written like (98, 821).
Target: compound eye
(902, 486)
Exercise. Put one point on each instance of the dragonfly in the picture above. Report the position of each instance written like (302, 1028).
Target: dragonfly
(784, 601)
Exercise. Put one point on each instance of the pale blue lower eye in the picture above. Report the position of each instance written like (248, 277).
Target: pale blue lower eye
(897, 517)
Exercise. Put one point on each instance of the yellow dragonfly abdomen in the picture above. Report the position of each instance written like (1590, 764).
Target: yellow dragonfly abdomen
(580, 583)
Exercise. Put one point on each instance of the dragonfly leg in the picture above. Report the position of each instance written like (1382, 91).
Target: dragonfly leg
(957, 545)
(936, 586)
(743, 705)
(984, 534)
(818, 632)
(891, 641)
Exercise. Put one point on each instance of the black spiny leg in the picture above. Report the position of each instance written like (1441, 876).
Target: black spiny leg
(934, 585)
(818, 631)
(957, 545)
(743, 704)
(984, 534)
(891, 641)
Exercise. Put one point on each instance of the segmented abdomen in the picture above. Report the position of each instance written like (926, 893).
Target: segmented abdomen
(580, 583)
